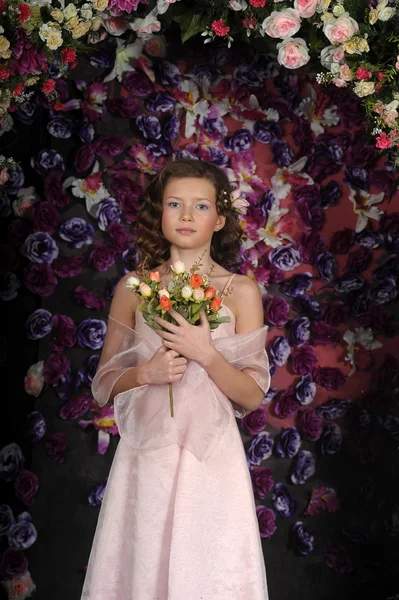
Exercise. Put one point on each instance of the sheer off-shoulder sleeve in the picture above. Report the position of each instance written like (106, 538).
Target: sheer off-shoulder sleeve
(202, 411)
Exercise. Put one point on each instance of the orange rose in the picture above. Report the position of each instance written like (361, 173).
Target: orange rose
(196, 281)
(165, 303)
(154, 275)
(215, 304)
(209, 292)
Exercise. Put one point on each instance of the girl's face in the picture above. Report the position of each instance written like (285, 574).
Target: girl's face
(190, 203)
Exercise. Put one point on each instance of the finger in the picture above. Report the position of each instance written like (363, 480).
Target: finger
(166, 324)
(177, 317)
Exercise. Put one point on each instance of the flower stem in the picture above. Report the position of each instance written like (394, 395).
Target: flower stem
(171, 399)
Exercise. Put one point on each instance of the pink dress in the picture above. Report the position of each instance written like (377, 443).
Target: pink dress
(178, 518)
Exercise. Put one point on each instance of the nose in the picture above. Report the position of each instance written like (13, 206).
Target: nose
(186, 214)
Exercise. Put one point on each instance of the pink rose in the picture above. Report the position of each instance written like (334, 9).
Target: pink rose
(115, 25)
(33, 381)
(340, 30)
(282, 24)
(306, 8)
(293, 53)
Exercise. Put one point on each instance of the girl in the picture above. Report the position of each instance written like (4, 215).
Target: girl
(178, 518)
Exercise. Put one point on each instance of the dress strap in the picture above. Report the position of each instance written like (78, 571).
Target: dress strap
(228, 283)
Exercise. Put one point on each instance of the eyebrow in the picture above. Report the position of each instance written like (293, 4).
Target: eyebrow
(195, 199)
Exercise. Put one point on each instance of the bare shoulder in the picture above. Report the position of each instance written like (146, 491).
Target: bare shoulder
(124, 302)
(248, 302)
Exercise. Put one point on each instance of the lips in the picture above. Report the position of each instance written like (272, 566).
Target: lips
(185, 230)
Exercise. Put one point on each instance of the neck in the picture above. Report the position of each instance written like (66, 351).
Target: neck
(191, 256)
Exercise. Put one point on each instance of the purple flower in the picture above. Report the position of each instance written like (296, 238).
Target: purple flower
(26, 487)
(102, 257)
(297, 285)
(88, 371)
(6, 518)
(305, 390)
(341, 241)
(288, 443)
(215, 127)
(161, 103)
(149, 126)
(76, 231)
(129, 258)
(277, 311)
(330, 194)
(299, 331)
(310, 245)
(334, 408)
(311, 425)
(47, 160)
(108, 211)
(59, 127)
(283, 155)
(308, 307)
(15, 179)
(356, 177)
(138, 84)
(97, 495)
(45, 217)
(239, 141)
(22, 534)
(159, 148)
(283, 503)
(11, 462)
(170, 74)
(205, 72)
(35, 426)
(215, 155)
(260, 449)
(266, 520)
(335, 312)
(64, 333)
(26, 112)
(267, 132)
(40, 247)
(38, 324)
(349, 282)
(271, 392)
(56, 445)
(76, 407)
(127, 108)
(170, 128)
(55, 366)
(336, 556)
(84, 157)
(91, 333)
(40, 279)
(68, 385)
(109, 145)
(280, 350)
(12, 564)
(262, 481)
(331, 439)
(331, 378)
(54, 191)
(285, 258)
(385, 292)
(89, 299)
(303, 360)
(255, 421)
(327, 266)
(26, 57)
(127, 193)
(287, 404)
(303, 541)
(359, 260)
(303, 467)
(68, 266)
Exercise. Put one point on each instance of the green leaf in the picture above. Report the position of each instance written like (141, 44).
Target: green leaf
(190, 24)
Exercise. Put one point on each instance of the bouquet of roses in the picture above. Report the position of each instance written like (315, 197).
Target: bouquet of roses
(188, 293)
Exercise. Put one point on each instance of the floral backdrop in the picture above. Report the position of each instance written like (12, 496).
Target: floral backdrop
(321, 237)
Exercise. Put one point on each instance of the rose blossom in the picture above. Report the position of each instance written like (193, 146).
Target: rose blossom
(91, 333)
(76, 407)
(340, 30)
(89, 299)
(38, 324)
(56, 445)
(6, 518)
(102, 257)
(22, 534)
(262, 481)
(266, 520)
(65, 333)
(35, 426)
(303, 467)
(45, 217)
(277, 311)
(293, 53)
(306, 8)
(68, 266)
(311, 425)
(283, 503)
(55, 366)
(331, 378)
(26, 487)
(255, 421)
(288, 443)
(303, 540)
(287, 404)
(260, 449)
(33, 381)
(12, 564)
(282, 24)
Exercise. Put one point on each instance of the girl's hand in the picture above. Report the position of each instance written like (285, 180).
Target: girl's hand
(192, 341)
(165, 366)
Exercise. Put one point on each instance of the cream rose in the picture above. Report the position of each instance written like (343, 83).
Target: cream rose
(386, 13)
(178, 267)
(362, 45)
(282, 24)
(86, 12)
(70, 11)
(132, 282)
(54, 39)
(350, 47)
(306, 8)
(57, 15)
(100, 5)
(340, 30)
(198, 294)
(338, 10)
(145, 290)
(163, 292)
(33, 381)
(187, 291)
(80, 30)
(4, 43)
(364, 88)
(293, 53)
(345, 72)
(323, 5)
(96, 23)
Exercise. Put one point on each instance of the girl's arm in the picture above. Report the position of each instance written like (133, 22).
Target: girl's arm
(236, 384)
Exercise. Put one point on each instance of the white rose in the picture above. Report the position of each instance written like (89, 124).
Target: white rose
(386, 14)
(364, 88)
(132, 282)
(338, 10)
(163, 292)
(198, 294)
(70, 11)
(187, 292)
(86, 11)
(145, 290)
(34, 381)
(178, 267)
(171, 286)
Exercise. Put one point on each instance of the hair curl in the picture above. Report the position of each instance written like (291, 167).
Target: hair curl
(154, 248)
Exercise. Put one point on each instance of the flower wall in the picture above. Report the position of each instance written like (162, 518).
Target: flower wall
(321, 237)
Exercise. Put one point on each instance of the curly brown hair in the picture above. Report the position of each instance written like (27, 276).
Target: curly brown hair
(151, 245)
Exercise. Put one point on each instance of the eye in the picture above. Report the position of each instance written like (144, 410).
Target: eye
(205, 205)
(170, 203)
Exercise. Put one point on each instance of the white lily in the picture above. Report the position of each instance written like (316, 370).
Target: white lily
(124, 56)
(144, 28)
(366, 210)
(272, 233)
(281, 179)
(307, 108)
(194, 108)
